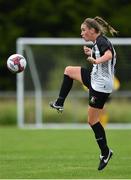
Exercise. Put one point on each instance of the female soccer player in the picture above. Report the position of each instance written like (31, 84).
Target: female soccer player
(99, 82)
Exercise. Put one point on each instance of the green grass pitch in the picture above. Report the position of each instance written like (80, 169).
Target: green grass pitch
(61, 154)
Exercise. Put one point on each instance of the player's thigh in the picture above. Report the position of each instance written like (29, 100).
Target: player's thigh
(97, 99)
(74, 72)
(86, 78)
(96, 104)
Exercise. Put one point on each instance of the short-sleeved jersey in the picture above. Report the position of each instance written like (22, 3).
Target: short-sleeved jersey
(102, 74)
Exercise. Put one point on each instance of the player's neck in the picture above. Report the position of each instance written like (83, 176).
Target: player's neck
(95, 36)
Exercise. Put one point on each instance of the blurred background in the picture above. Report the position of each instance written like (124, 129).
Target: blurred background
(49, 18)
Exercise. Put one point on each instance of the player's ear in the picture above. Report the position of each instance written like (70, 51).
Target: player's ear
(92, 30)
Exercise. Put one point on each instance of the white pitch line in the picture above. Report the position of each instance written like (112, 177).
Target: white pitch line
(76, 126)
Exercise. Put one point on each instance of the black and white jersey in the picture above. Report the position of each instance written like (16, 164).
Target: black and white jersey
(102, 74)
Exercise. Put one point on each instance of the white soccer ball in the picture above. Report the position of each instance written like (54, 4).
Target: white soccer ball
(16, 63)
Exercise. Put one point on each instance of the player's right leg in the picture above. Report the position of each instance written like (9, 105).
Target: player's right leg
(71, 73)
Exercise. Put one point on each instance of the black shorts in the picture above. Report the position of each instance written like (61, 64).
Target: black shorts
(96, 99)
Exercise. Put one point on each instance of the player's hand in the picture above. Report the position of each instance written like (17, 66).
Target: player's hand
(87, 50)
(91, 60)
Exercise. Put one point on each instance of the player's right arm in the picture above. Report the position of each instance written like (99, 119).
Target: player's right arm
(87, 51)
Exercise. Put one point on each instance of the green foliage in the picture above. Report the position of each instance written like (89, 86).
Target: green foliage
(70, 115)
(121, 109)
(79, 114)
(7, 112)
(46, 18)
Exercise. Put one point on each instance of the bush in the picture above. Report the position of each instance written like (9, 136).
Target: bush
(8, 112)
(75, 110)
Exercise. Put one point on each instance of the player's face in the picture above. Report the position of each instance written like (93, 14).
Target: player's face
(86, 33)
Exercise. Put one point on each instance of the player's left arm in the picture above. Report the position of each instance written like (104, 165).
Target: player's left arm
(106, 57)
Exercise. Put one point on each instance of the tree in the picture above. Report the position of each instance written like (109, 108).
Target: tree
(49, 18)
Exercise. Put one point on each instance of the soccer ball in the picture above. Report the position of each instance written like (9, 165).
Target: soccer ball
(16, 63)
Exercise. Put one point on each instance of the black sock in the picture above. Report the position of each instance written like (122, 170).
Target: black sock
(101, 138)
(65, 89)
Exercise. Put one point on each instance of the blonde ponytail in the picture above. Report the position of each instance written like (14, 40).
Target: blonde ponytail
(105, 26)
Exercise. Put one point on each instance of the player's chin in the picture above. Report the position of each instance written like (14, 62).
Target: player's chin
(86, 39)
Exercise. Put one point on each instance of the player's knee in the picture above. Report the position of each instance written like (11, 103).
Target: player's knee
(89, 121)
(68, 70)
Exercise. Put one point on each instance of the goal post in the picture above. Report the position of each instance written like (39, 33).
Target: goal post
(24, 47)
(20, 88)
(20, 91)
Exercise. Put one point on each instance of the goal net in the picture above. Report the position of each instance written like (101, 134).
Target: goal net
(39, 84)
